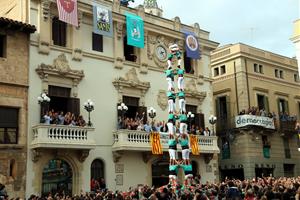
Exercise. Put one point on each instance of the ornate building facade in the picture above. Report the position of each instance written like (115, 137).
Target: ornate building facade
(14, 82)
(72, 65)
(265, 141)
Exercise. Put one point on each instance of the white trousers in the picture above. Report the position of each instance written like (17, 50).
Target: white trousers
(172, 154)
(169, 64)
(170, 84)
(185, 154)
(171, 107)
(171, 128)
(180, 83)
(181, 103)
(179, 62)
(183, 128)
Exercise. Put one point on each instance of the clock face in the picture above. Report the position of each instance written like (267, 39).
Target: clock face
(161, 52)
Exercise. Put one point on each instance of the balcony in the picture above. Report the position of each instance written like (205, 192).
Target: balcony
(287, 128)
(62, 137)
(130, 140)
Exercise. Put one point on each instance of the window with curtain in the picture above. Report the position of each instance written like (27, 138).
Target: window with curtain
(59, 32)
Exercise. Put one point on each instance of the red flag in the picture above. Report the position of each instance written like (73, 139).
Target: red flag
(67, 10)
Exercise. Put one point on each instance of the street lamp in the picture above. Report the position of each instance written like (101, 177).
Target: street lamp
(212, 120)
(43, 100)
(190, 116)
(152, 113)
(89, 107)
(122, 108)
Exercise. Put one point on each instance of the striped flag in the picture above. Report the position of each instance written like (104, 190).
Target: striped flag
(155, 143)
(194, 144)
(67, 10)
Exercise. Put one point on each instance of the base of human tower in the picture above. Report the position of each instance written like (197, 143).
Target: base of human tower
(189, 144)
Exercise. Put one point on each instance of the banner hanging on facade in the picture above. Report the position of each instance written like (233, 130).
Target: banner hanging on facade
(191, 45)
(102, 20)
(67, 11)
(253, 120)
(135, 30)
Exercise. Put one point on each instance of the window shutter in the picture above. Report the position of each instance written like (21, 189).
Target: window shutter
(228, 110)
(278, 106)
(9, 117)
(74, 106)
(97, 43)
(286, 106)
(55, 31)
(199, 120)
(63, 33)
(266, 104)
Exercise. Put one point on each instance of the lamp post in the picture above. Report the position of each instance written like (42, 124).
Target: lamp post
(89, 107)
(152, 113)
(122, 108)
(190, 116)
(43, 100)
(212, 120)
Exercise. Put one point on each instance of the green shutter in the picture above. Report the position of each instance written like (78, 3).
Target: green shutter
(228, 110)
(266, 104)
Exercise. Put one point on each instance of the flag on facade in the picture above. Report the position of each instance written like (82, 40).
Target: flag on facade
(135, 30)
(67, 11)
(194, 144)
(155, 143)
(191, 45)
(102, 20)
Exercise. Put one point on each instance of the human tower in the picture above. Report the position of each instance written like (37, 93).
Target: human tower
(182, 139)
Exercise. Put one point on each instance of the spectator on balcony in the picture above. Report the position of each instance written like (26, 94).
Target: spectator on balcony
(80, 121)
(67, 118)
(147, 127)
(193, 129)
(48, 117)
(201, 131)
(243, 112)
(206, 132)
(61, 118)
(263, 113)
(283, 116)
(55, 119)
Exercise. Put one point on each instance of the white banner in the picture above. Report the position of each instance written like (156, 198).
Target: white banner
(253, 120)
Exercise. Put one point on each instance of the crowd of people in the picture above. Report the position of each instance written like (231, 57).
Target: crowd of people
(59, 118)
(283, 116)
(267, 188)
(137, 123)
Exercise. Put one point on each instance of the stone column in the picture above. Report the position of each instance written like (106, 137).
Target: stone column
(118, 44)
(77, 43)
(45, 27)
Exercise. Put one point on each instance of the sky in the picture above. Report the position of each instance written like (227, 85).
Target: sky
(265, 24)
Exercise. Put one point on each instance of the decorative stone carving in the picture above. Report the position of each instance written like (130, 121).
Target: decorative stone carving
(119, 63)
(150, 46)
(82, 155)
(131, 83)
(77, 54)
(197, 29)
(44, 47)
(144, 68)
(141, 11)
(116, 6)
(119, 30)
(80, 18)
(191, 91)
(117, 155)
(162, 99)
(177, 24)
(36, 154)
(61, 69)
(45, 9)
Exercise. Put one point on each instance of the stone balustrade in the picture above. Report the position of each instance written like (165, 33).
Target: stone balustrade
(140, 141)
(60, 136)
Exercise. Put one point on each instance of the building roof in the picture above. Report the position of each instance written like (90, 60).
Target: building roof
(6, 23)
(150, 4)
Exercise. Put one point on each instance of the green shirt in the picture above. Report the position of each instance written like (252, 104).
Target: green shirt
(171, 95)
(184, 142)
(172, 142)
(183, 118)
(173, 167)
(187, 168)
(169, 73)
(181, 94)
(180, 71)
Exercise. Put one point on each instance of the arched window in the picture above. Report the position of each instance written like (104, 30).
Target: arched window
(160, 173)
(97, 169)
